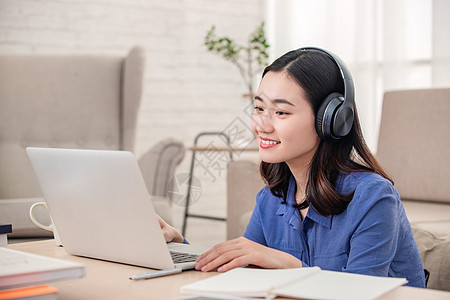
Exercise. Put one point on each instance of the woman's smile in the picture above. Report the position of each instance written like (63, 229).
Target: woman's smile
(267, 143)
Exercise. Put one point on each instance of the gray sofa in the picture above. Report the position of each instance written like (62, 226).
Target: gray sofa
(413, 147)
(72, 101)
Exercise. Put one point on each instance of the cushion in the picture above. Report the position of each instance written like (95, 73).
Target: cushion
(435, 254)
(434, 217)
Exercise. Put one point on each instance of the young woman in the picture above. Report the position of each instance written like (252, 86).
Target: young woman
(327, 201)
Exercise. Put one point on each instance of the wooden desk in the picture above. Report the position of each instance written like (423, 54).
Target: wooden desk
(106, 280)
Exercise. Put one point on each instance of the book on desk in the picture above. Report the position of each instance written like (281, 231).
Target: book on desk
(20, 269)
(40, 292)
(305, 283)
(4, 230)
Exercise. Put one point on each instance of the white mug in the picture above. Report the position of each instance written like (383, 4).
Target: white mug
(50, 227)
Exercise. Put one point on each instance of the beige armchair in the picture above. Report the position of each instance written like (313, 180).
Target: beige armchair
(413, 147)
(71, 101)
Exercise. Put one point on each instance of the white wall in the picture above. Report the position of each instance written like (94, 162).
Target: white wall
(187, 89)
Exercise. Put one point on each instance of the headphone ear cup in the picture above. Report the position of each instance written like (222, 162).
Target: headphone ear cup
(325, 115)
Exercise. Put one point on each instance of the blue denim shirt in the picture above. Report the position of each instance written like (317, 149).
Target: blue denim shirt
(371, 236)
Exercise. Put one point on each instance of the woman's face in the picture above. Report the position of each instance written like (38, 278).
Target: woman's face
(284, 121)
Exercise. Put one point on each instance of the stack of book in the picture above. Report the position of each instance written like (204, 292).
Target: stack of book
(25, 276)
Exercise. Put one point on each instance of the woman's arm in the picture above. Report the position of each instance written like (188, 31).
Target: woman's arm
(240, 252)
(250, 249)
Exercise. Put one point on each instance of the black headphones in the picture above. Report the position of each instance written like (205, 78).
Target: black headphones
(334, 119)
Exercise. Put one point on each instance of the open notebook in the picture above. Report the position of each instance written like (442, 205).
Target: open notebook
(305, 283)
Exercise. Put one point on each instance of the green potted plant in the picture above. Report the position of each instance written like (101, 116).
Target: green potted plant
(250, 59)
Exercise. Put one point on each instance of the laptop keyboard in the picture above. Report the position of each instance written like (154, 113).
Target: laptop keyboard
(181, 257)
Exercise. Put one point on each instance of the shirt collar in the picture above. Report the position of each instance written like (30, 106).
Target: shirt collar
(289, 213)
(322, 220)
(293, 218)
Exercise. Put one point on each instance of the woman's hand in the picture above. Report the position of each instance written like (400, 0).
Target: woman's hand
(241, 251)
(170, 233)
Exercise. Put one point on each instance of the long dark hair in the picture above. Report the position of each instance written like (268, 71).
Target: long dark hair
(319, 76)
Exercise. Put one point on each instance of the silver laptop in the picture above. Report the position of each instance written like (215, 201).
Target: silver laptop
(101, 208)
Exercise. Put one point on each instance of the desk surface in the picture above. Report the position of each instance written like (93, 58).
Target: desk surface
(106, 280)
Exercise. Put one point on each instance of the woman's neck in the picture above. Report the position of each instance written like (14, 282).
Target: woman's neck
(300, 171)
(300, 168)
(301, 179)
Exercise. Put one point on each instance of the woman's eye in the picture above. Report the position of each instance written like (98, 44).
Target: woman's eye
(258, 109)
(281, 113)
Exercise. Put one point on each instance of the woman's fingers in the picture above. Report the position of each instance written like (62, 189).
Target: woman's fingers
(208, 257)
(216, 250)
(213, 262)
(170, 233)
(235, 263)
(241, 251)
(162, 223)
(231, 251)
